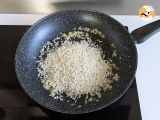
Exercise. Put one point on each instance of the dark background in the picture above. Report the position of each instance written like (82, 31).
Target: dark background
(15, 105)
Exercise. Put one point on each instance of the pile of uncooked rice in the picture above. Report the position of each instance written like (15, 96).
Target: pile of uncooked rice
(75, 68)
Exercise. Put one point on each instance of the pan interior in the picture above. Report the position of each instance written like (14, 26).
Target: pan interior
(47, 29)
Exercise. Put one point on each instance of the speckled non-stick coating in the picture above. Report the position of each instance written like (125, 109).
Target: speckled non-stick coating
(46, 29)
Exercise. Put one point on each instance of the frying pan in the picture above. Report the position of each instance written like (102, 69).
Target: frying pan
(52, 25)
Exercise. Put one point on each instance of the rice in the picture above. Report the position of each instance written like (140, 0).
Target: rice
(76, 68)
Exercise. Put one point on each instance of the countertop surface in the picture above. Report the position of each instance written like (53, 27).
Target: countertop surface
(114, 7)
(147, 75)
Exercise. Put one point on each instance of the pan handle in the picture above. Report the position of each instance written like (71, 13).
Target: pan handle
(143, 33)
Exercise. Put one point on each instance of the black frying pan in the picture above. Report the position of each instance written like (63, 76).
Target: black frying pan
(50, 26)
